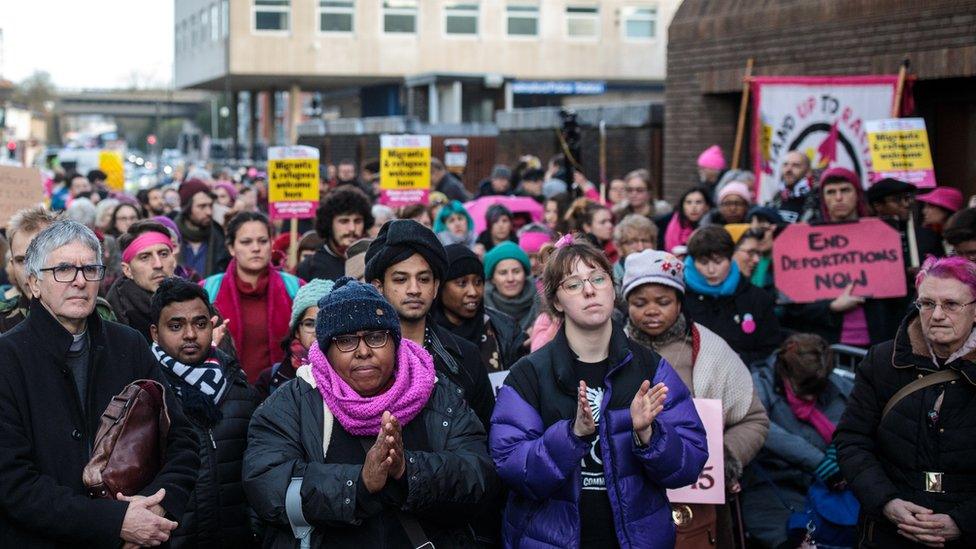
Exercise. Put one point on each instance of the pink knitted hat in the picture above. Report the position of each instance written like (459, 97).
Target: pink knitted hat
(531, 242)
(948, 198)
(737, 188)
(712, 158)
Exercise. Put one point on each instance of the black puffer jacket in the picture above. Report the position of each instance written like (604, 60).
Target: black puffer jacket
(511, 340)
(728, 317)
(883, 460)
(216, 514)
(324, 264)
(444, 486)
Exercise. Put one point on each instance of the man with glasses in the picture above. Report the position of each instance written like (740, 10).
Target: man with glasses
(62, 366)
(15, 300)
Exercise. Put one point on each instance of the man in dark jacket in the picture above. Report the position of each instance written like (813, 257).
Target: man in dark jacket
(218, 402)
(407, 263)
(147, 260)
(460, 308)
(445, 182)
(499, 183)
(21, 230)
(203, 249)
(892, 201)
(62, 367)
(342, 219)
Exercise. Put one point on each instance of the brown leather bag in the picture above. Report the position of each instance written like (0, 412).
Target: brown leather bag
(130, 443)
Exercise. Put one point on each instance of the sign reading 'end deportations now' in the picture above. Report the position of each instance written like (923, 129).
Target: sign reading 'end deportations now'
(293, 182)
(404, 169)
(815, 262)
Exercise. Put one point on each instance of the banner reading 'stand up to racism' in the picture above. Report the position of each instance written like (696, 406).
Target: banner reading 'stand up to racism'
(823, 117)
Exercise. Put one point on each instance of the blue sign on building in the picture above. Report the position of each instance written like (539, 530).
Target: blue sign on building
(557, 87)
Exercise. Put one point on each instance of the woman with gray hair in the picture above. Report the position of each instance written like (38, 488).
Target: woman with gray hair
(635, 233)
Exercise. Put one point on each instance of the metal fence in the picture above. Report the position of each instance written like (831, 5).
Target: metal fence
(846, 359)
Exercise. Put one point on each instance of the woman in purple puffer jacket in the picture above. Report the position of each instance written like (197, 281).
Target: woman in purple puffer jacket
(590, 430)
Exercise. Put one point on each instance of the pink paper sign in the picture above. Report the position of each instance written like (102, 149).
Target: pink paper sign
(710, 486)
(814, 262)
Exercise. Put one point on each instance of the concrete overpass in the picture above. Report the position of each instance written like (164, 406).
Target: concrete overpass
(133, 103)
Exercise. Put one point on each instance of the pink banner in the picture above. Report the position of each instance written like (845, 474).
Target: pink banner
(814, 262)
(292, 210)
(710, 487)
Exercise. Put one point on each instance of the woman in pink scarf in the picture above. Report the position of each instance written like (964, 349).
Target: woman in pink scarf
(372, 448)
(692, 207)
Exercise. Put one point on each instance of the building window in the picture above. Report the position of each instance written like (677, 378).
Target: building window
(400, 16)
(336, 15)
(271, 15)
(639, 23)
(214, 23)
(582, 21)
(203, 26)
(460, 18)
(522, 20)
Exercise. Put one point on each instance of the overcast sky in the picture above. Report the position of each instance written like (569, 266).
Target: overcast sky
(88, 43)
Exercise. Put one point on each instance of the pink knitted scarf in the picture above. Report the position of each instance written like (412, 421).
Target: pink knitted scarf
(806, 410)
(677, 233)
(413, 383)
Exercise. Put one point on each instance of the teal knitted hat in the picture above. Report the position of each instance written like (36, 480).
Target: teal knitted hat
(449, 209)
(503, 251)
(307, 296)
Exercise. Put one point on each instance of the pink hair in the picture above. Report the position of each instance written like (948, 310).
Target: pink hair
(952, 267)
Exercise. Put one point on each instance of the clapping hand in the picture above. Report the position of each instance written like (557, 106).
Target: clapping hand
(647, 404)
(394, 439)
(385, 458)
(584, 425)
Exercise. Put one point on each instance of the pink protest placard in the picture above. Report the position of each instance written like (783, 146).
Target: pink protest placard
(814, 262)
(710, 487)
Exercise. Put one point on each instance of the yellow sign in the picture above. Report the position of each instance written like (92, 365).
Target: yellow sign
(293, 182)
(404, 169)
(900, 149)
(110, 162)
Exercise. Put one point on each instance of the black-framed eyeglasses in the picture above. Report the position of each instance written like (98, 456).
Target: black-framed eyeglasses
(350, 342)
(929, 305)
(574, 285)
(68, 273)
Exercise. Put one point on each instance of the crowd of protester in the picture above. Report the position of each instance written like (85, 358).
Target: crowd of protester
(349, 396)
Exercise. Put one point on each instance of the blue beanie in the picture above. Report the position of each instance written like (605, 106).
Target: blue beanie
(503, 251)
(449, 209)
(352, 306)
(308, 296)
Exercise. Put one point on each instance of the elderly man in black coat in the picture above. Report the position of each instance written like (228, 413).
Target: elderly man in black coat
(60, 369)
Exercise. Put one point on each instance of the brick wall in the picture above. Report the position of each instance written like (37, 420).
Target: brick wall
(710, 41)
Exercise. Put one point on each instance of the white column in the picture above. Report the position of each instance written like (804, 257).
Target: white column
(433, 104)
(509, 97)
(458, 105)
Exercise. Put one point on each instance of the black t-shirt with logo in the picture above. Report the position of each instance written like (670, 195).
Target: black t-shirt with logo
(596, 516)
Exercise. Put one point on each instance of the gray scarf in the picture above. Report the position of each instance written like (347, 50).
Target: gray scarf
(524, 308)
(677, 332)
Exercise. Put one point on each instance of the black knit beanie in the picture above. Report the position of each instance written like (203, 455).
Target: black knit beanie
(461, 261)
(397, 241)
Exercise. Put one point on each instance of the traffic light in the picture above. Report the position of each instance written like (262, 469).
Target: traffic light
(12, 148)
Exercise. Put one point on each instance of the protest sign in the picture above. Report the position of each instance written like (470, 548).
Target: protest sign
(293, 182)
(710, 486)
(822, 117)
(814, 262)
(404, 169)
(456, 154)
(110, 162)
(900, 149)
(19, 188)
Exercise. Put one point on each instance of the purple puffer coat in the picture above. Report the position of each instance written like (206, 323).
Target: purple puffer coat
(538, 456)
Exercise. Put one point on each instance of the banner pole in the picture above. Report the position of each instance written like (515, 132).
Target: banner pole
(603, 162)
(293, 245)
(743, 107)
(912, 242)
(899, 89)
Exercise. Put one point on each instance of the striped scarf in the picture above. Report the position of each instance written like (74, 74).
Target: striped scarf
(207, 377)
